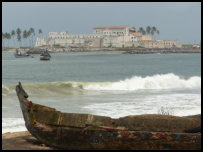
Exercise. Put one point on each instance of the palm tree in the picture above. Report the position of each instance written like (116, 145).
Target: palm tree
(141, 30)
(152, 33)
(13, 33)
(148, 29)
(25, 35)
(157, 31)
(40, 31)
(32, 33)
(8, 37)
(3, 38)
(18, 31)
(28, 35)
(153, 30)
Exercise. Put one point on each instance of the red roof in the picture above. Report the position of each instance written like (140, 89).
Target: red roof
(132, 29)
(110, 27)
(136, 34)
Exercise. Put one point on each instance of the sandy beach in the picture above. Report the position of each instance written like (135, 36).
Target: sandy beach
(22, 141)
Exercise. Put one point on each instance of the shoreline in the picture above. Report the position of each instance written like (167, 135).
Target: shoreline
(35, 50)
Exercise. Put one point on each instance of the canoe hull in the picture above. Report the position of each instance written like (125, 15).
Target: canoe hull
(84, 131)
(80, 139)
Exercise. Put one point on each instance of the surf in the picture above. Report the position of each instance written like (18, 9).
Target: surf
(158, 81)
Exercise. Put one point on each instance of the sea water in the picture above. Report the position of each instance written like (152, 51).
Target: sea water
(107, 84)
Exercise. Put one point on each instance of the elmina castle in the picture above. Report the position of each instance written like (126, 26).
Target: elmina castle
(108, 36)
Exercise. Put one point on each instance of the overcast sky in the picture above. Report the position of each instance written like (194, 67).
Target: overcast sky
(175, 20)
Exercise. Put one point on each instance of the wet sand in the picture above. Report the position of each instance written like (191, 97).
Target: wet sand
(22, 141)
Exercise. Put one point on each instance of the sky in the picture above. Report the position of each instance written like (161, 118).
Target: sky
(175, 20)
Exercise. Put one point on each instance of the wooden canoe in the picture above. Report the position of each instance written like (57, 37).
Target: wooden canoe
(87, 131)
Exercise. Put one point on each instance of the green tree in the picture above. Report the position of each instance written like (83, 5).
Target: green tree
(154, 30)
(25, 35)
(157, 32)
(3, 38)
(8, 37)
(29, 36)
(18, 31)
(13, 33)
(32, 31)
(40, 32)
(142, 31)
(148, 30)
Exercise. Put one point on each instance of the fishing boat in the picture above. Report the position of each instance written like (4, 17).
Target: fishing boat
(87, 131)
(45, 55)
(19, 54)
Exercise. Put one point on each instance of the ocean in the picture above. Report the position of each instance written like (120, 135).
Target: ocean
(107, 84)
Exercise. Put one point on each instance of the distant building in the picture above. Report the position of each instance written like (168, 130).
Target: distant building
(107, 36)
(159, 44)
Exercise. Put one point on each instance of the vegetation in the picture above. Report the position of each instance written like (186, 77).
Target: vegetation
(18, 31)
(140, 47)
(149, 30)
(6, 36)
(27, 36)
(39, 32)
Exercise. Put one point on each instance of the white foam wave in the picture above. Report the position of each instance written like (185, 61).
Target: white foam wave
(177, 104)
(13, 125)
(159, 81)
(5, 88)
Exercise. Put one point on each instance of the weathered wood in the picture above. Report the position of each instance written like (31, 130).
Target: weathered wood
(86, 131)
(194, 130)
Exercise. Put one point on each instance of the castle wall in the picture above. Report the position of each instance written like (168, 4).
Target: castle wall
(158, 44)
(118, 36)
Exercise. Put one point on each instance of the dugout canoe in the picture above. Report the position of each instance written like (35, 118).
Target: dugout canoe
(87, 131)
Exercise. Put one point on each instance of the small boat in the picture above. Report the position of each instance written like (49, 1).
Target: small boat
(87, 131)
(21, 55)
(45, 55)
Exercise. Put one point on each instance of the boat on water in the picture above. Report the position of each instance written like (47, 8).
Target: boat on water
(19, 54)
(87, 131)
(44, 58)
(45, 55)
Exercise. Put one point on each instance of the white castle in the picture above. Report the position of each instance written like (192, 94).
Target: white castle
(108, 36)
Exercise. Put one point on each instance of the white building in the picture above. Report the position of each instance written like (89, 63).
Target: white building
(107, 36)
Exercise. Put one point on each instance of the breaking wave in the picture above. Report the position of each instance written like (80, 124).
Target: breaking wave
(13, 125)
(159, 81)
